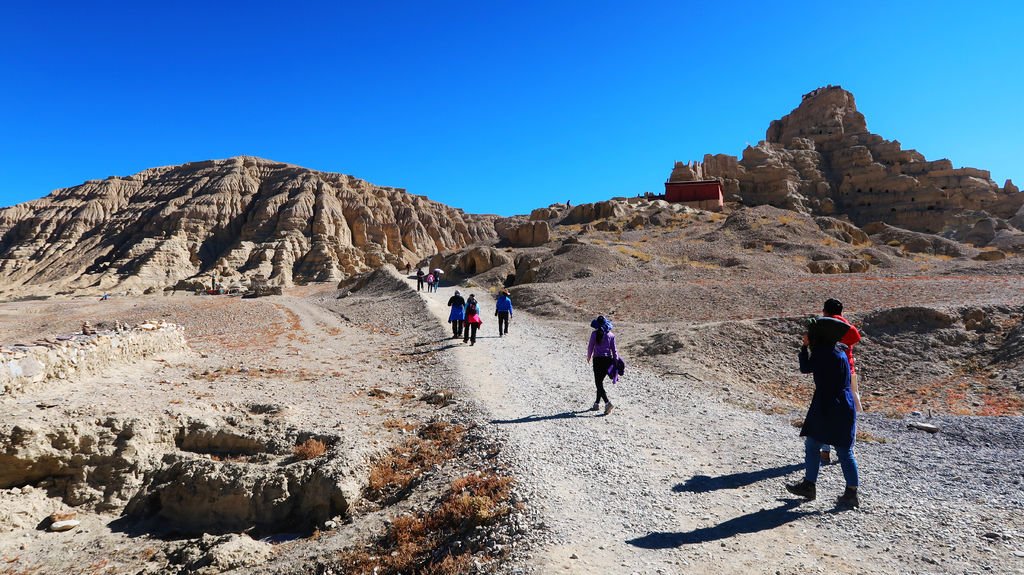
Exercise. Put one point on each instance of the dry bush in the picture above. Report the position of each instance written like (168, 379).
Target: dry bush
(768, 248)
(475, 500)
(443, 432)
(421, 543)
(394, 474)
(309, 449)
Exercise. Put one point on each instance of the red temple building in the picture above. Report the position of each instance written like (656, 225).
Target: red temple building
(700, 194)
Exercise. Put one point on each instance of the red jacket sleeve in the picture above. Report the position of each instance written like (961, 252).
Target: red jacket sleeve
(851, 337)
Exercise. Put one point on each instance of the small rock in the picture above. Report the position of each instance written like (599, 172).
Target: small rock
(930, 428)
(573, 556)
(66, 525)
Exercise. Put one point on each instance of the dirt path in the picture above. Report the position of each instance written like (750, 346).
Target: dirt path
(670, 480)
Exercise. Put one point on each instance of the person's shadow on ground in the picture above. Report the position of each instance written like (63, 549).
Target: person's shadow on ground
(750, 523)
(704, 483)
(535, 418)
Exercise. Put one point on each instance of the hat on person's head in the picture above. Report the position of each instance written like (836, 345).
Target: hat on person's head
(456, 292)
(601, 323)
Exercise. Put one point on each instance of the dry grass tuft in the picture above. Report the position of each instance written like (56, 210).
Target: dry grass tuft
(642, 256)
(399, 424)
(868, 437)
(309, 449)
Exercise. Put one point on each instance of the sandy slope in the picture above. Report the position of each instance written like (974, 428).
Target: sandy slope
(674, 480)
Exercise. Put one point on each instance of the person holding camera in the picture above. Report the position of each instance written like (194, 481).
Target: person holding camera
(832, 416)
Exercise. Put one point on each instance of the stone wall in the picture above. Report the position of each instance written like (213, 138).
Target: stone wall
(65, 357)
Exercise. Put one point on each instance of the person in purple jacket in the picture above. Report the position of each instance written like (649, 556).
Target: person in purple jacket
(602, 350)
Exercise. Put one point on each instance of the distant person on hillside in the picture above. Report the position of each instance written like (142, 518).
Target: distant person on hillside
(602, 350)
(503, 311)
(832, 416)
(457, 316)
(473, 320)
(419, 279)
(408, 268)
(437, 278)
(834, 308)
(430, 283)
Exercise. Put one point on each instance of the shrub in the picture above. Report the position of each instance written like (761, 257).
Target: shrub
(309, 449)
(421, 542)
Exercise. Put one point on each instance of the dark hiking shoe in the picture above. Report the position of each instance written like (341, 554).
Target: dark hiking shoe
(596, 406)
(804, 489)
(608, 407)
(848, 499)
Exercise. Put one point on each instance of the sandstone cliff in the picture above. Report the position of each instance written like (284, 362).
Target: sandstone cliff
(821, 159)
(236, 217)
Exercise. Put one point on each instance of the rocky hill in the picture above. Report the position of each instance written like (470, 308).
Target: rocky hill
(237, 218)
(821, 159)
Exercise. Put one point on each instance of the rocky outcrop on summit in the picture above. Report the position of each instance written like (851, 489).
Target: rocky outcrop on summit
(237, 218)
(821, 159)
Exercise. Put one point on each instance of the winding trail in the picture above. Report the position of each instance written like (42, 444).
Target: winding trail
(672, 481)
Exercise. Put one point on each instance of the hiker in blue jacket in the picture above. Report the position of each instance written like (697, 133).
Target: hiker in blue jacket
(457, 317)
(503, 310)
(832, 417)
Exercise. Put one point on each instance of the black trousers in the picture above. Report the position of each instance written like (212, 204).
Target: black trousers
(457, 327)
(502, 321)
(470, 333)
(419, 283)
(601, 365)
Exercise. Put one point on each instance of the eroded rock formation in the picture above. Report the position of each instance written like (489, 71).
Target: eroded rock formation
(237, 217)
(821, 159)
(525, 234)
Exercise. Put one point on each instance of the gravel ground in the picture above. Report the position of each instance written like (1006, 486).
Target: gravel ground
(678, 480)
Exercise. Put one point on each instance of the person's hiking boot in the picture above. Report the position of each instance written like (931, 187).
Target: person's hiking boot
(806, 489)
(826, 457)
(848, 499)
(608, 408)
(596, 406)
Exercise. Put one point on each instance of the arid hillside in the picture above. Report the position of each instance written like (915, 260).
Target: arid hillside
(235, 218)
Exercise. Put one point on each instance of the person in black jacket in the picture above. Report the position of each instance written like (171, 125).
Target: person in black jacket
(419, 279)
(457, 317)
(832, 416)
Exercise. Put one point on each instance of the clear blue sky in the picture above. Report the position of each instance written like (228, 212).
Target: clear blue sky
(494, 107)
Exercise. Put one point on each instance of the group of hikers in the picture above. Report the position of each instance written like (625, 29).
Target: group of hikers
(465, 319)
(432, 280)
(826, 353)
(464, 316)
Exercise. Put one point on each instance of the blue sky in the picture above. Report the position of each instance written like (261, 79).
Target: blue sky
(494, 107)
